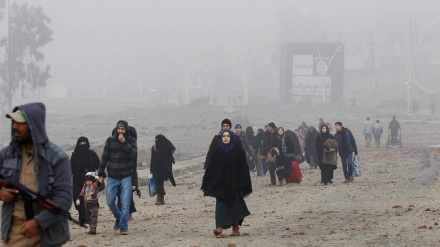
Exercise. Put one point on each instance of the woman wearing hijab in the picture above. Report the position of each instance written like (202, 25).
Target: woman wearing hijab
(83, 160)
(258, 147)
(285, 157)
(228, 180)
(326, 147)
(310, 149)
(161, 165)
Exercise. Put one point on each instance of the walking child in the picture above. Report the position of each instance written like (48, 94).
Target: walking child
(90, 194)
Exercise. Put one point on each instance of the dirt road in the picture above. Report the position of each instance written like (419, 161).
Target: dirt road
(394, 203)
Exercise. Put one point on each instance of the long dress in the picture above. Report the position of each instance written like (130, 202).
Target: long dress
(228, 180)
(284, 160)
(83, 160)
(161, 165)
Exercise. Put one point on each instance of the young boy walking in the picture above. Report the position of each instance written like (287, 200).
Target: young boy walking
(90, 193)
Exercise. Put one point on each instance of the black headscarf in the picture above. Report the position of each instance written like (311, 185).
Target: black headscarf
(163, 146)
(258, 139)
(325, 135)
(83, 160)
(162, 160)
(81, 149)
(295, 140)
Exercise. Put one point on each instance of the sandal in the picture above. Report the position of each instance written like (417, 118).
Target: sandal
(218, 231)
(235, 231)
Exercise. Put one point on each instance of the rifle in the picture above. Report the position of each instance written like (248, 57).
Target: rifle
(28, 194)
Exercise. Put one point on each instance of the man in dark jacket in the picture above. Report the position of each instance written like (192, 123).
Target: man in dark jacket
(269, 139)
(120, 151)
(246, 145)
(346, 148)
(394, 127)
(35, 162)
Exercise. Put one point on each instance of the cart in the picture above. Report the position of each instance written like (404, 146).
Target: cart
(398, 141)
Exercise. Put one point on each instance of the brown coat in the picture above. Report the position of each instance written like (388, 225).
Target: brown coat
(330, 152)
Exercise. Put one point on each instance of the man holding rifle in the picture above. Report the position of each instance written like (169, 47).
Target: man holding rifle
(36, 163)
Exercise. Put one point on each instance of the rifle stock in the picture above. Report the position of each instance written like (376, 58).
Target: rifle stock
(40, 200)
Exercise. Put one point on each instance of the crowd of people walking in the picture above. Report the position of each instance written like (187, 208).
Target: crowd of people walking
(231, 159)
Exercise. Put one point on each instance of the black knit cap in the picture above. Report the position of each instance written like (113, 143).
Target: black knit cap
(226, 121)
(272, 124)
(122, 123)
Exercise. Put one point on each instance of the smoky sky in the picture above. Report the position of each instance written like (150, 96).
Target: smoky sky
(137, 41)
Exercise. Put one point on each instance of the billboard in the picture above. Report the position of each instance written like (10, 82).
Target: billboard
(312, 69)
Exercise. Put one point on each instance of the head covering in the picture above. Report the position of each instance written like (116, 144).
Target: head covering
(272, 125)
(35, 115)
(325, 135)
(90, 176)
(394, 117)
(231, 145)
(226, 121)
(164, 146)
(81, 148)
(238, 126)
(122, 123)
(283, 132)
(17, 116)
(258, 137)
(250, 134)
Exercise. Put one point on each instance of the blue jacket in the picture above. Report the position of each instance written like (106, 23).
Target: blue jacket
(54, 178)
(349, 140)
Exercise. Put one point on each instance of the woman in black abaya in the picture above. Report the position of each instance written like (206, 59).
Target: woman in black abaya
(83, 160)
(227, 179)
(161, 165)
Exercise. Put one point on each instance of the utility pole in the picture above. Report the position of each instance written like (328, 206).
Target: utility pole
(372, 75)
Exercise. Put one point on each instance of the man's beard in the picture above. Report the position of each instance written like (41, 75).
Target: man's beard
(26, 140)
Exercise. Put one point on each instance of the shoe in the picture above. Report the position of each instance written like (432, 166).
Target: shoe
(346, 181)
(130, 217)
(123, 232)
(116, 226)
(92, 231)
(160, 199)
(351, 179)
(330, 182)
(218, 231)
(325, 183)
(280, 183)
(284, 181)
(235, 230)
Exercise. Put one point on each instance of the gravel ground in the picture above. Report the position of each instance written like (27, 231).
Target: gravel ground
(394, 203)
